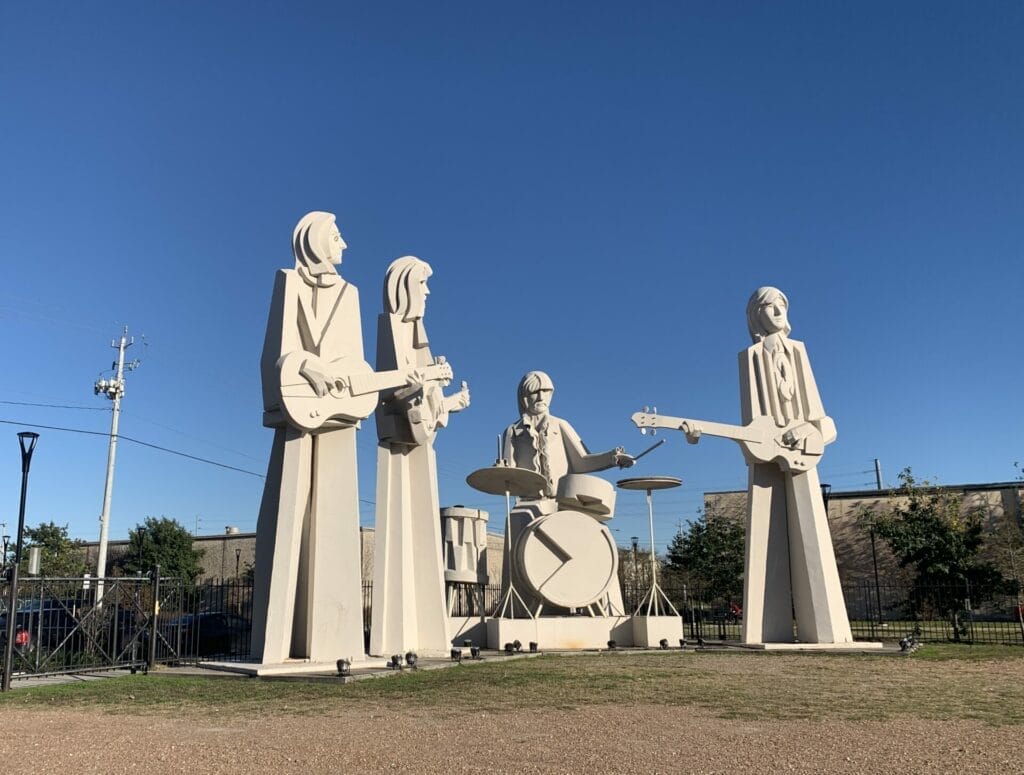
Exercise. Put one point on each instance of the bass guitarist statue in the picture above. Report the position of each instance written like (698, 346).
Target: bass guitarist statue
(790, 565)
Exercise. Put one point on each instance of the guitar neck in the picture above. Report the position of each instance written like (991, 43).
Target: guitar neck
(374, 382)
(721, 430)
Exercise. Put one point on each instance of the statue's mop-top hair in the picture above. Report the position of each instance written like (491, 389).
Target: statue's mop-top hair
(763, 295)
(531, 382)
(398, 281)
(311, 240)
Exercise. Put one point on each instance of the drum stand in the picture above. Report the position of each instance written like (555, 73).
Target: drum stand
(655, 602)
(507, 606)
(507, 480)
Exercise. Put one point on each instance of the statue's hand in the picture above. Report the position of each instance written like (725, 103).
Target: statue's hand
(623, 459)
(315, 376)
(415, 379)
(461, 398)
(693, 431)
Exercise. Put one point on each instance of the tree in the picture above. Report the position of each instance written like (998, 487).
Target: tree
(929, 532)
(60, 555)
(709, 554)
(165, 542)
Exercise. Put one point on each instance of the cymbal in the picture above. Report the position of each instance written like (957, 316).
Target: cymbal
(497, 480)
(649, 483)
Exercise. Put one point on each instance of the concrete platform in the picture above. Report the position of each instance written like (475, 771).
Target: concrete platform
(851, 646)
(561, 632)
(293, 667)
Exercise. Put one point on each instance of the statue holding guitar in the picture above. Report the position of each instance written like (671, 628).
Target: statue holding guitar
(307, 593)
(790, 565)
(408, 569)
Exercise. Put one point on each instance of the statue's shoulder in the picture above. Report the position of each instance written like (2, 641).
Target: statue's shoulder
(285, 277)
(797, 347)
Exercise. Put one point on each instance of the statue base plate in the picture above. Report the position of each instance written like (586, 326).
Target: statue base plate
(292, 666)
(858, 645)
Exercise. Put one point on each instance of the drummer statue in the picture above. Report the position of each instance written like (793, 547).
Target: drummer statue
(549, 446)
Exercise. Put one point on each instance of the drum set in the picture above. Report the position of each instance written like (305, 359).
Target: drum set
(567, 558)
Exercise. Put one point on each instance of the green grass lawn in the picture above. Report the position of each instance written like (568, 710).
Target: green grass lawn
(936, 682)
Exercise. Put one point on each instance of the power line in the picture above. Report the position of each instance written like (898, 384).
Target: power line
(152, 446)
(190, 457)
(139, 442)
(56, 406)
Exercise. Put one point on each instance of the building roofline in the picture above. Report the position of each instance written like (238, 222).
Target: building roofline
(890, 491)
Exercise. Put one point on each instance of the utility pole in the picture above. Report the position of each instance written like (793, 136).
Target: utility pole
(114, 390)
(878, 475)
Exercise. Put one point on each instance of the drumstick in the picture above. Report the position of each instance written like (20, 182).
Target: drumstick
(649, 449)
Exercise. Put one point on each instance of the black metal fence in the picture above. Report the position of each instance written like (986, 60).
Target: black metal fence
(66, 625)
(956, 614)
(75, 625)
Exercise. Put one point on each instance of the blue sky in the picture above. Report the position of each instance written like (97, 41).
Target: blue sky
(598, 187)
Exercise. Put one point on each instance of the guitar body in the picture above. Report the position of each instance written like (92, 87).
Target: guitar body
(308, 411)
(425, 417)
(761, 440)
(770, 449)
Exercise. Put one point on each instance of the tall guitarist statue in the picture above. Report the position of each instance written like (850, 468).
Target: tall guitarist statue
(790, 563)
(307, 598)
(409, 611)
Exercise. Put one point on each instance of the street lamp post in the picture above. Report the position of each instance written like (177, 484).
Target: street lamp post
(7, 542)
(27, 440)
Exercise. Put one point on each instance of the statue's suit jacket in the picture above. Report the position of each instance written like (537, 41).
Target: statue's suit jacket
(759, 396)
(323, 321)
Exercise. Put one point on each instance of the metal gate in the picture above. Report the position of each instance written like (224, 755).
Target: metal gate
(75, 625)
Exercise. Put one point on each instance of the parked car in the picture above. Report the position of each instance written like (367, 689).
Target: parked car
(46, 624)
(210, 633)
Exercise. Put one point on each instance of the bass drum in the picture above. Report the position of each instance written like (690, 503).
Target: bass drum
(568, 559)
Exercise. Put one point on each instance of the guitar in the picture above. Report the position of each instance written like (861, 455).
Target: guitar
(431, 411)
(351, 394)
(796, 447)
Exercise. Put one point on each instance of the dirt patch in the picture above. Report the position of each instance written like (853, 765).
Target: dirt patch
(596, 739)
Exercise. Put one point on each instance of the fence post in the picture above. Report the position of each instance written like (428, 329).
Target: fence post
(869, 605)
(151, 657)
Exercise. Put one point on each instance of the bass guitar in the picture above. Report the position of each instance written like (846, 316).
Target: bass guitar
(796, 447)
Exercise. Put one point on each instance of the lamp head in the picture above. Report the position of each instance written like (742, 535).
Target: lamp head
(27, 440)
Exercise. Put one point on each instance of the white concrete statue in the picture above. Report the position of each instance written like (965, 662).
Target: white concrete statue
(562, 555)
(409, 608)
(790, 563)
(307, 598)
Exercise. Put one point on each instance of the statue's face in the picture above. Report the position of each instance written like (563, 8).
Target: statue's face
(336, 245)
(539, 400)
(418, 292)
(772, 315)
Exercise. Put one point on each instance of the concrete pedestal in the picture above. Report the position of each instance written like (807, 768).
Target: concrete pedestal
(648, 631)
(561, 632)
